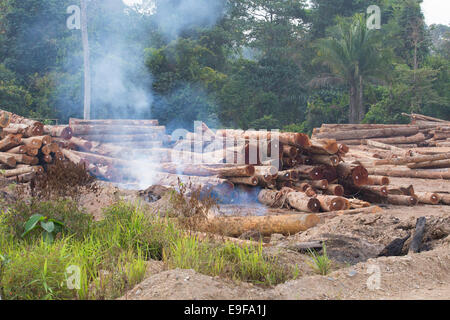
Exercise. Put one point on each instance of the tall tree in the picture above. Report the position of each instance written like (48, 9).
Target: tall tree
(353, 57)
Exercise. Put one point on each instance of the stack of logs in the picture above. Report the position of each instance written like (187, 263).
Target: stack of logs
(279, 169)
(27, 147)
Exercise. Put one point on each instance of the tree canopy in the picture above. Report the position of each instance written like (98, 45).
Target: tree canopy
(273, 64)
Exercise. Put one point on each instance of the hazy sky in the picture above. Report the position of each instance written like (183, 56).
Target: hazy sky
(436, 11)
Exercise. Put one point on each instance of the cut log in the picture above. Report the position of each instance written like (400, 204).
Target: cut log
(324, 159)
(384, 146)
(118, 122)
(32, 142)
(123, 138)
(288, 175)
(79, 130)
(250, 181)
(369, 133)
(415, 159)
(273, 198)
(353, 173)
(430, 164)
(408, 191)
(23, 178)
(309, 172)
(323, 146)
(301, 187)
(7, 159)
(357, 204)
(5, 118)
(75, 158)
(19, 150)
(24, 159)
(335, 190)
(402, 200)
(428, 197)
(445, 198)
(319, 184)
(18, 171)
(23, 129)
(238, 171)
(302, 202)
(363, 126)
(204, 171)
(38, 126)
(378, 181)
(381, 191)
(419, 137)
(266, 171)
(266, 225)
(287, 138)
(302, 159)
(330, 203)
(32, 152)
(63, 132)
(409, 173)
(290, 151)
(10, 141)
(329, 173)
(343, 148)
(173, 180)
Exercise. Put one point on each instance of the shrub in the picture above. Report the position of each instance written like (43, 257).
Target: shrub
(76, 221)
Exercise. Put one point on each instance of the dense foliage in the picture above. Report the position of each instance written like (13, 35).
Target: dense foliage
(231, 63)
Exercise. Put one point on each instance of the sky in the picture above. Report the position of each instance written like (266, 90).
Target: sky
(435, 11)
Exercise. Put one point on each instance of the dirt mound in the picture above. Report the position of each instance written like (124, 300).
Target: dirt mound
(189, 285)
(418, 276)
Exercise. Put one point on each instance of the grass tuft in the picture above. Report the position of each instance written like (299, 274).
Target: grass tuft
(320, 263)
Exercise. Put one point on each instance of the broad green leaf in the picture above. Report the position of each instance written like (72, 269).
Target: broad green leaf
(32, 222)
(48, 226)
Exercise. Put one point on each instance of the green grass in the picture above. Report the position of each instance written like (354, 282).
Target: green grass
(111, 254)
(320, 263)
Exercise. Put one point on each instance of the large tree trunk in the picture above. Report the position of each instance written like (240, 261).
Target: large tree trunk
(361, 107)
(353, 111)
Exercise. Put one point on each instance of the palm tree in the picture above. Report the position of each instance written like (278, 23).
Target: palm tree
(353, 57)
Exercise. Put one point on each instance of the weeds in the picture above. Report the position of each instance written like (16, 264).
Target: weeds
(320, 263)
(64, 179)
(111, 254)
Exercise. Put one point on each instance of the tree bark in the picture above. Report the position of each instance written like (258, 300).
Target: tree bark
(428, 197)
(369, 133)
(302, 202)
(87, 64)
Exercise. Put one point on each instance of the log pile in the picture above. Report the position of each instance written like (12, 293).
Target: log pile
(290, 170)
(25, 148)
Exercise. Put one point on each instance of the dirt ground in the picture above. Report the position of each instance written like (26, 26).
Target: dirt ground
(354, 243)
